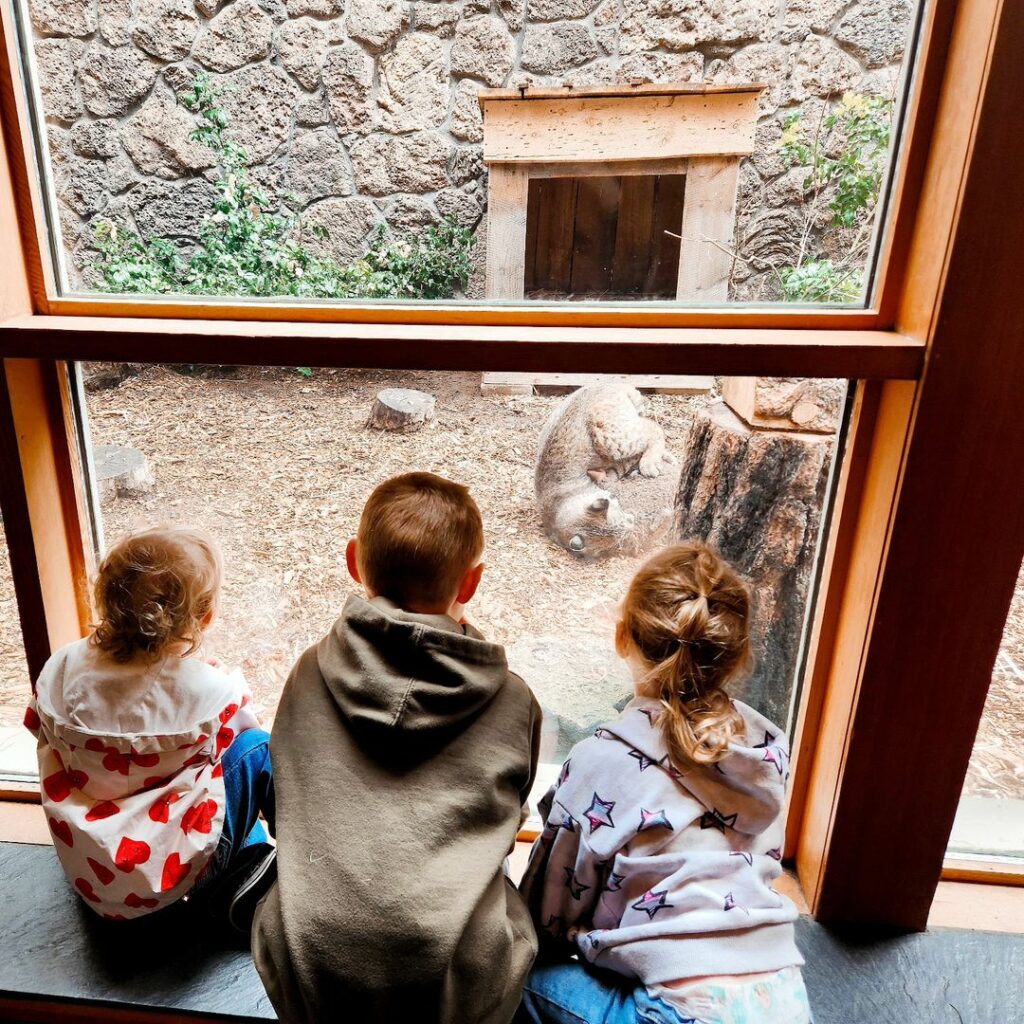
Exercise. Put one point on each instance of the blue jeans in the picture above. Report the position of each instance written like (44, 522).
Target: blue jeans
(569, 993)
(249, 790)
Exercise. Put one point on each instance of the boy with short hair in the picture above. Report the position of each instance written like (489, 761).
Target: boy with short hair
(404, 751)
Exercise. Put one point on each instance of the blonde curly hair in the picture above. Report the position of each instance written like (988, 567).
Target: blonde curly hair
(686, 617)
(156, 588)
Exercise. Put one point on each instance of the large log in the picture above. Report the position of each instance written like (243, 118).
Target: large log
(757, 496)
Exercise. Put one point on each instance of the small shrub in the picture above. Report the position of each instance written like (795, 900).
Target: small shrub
(250, 242)
(845, 159)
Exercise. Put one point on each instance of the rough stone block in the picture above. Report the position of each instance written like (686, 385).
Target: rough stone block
(876, 30)
(377, 23)
(340, 228)
(318, 166)
(348, 77)
(166, 29)
(239, 35)
(549, 49)
(58, 61)
(413, 92)
(159, 138)
(483, 49)
(467, 121)
(114, 80)
(63, 17)
(260, 103)
(301, 47)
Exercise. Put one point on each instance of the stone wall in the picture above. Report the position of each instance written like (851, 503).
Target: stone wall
(367, 108)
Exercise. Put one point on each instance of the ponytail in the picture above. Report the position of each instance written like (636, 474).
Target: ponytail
(686, 616)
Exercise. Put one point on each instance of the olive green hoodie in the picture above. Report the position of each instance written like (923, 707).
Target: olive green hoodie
(403, 752)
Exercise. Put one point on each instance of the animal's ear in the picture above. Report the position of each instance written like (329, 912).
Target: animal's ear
(597, 475)
(600, 505)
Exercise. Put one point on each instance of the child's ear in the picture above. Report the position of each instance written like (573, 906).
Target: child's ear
(206, 620)
(467, 588)
(352, 560)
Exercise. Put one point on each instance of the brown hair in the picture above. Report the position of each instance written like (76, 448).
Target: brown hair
(686, 616)
(154, 588)
(418, 535)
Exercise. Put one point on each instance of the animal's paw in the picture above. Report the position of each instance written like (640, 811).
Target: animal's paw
(650, 466)
(669, 459)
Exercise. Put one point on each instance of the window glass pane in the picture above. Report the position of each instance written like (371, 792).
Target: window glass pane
(695, 153)
(277, 463)
(17, 747)
(990, 819)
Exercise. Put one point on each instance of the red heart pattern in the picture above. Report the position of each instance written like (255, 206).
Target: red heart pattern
(103, 873)
(199, 817)
(160, 811)
(132, 900)
(62, 830)
(84, 886)
(218, 770)
(200, 758)
(131, 853)
(58, 786)
(96, 745)
(224, 737)
(115, 761)
(227, 713)
(32, 719)
(144, 760)
(174, 872)
(104, 809)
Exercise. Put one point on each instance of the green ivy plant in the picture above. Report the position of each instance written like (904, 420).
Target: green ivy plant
(250, 242)
(845, 160)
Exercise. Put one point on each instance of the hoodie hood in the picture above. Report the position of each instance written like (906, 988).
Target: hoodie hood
(394, 673)
(755, 768)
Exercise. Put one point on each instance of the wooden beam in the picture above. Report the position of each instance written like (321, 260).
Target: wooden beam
(42, 483)
(508, 193)
(949, 537)
(708, 231)
(863, 354)
(585, 128)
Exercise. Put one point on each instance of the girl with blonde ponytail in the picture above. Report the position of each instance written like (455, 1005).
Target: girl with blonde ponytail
(664, 830)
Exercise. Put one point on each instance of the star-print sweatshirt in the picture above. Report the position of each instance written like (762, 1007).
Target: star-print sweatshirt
(663, 875)
(129, 763)
(403, 750)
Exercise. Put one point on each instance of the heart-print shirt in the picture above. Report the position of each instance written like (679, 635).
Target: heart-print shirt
(130, 770)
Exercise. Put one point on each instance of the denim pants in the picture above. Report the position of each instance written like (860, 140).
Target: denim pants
(569, 993)
(249, 790)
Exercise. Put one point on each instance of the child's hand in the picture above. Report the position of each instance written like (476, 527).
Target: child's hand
(215, 663)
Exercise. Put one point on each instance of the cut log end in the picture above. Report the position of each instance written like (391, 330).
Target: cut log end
(402, 410)
(121, 472)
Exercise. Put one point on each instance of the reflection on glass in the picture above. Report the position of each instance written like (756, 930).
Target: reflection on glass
(261, 149)
(990, 819)
(13, 671)
(17, 747)
(278, 465)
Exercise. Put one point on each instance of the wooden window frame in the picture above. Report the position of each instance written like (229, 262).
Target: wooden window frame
(874, 793)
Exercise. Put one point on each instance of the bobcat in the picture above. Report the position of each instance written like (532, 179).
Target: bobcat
(597, 436)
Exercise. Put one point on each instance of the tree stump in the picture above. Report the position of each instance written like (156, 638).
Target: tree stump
(757, 496)
(121, 472)
(402, 410)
